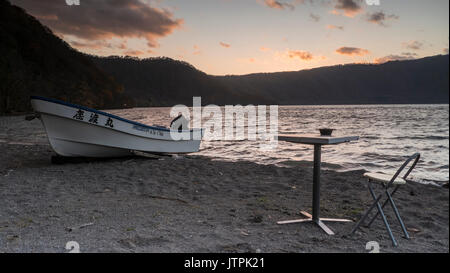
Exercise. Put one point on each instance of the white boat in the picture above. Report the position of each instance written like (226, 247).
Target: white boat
(78, 131)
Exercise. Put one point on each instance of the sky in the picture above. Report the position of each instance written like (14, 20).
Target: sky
(222, 37)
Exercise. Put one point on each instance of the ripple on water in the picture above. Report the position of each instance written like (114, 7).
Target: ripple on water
(388, 134)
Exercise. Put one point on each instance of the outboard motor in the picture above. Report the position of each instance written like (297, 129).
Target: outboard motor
(179, 123)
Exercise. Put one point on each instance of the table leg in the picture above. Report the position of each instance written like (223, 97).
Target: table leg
(316, 183)
(325, 228)
(316, 190)
(315, 217)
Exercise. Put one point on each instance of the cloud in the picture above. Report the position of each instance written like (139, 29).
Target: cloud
(445, 50)
(380, 18)
(351, 51)
(403, 57)
(335, 27)
(414, 45)
(314, 17)
(290, 56)
(409, 54)
(134, 53)
(104, 19)
(225, 44)
(122, 46)
(264, 49)
(96, 44)
(350, 8)
(249, 61)
(299, 54)
(197, 50)
(278, 5)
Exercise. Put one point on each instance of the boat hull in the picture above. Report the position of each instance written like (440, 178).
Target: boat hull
(105, 136)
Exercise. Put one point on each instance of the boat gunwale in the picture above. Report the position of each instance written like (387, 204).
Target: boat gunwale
(118, 131)
(100, 112)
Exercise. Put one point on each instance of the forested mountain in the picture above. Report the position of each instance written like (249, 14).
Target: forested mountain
(423, 80)
(33, 61)
(36, 62)
(163, 81)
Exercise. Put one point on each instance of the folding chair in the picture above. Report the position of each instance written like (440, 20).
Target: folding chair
(387, 181)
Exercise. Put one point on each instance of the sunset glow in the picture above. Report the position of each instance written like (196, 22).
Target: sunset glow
(239, 37)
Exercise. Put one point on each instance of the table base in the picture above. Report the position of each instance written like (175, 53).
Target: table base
(317, 222)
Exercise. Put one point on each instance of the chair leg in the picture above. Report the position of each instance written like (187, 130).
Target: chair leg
(366, 214)
(380, 210)
(394, 207)
(384, 204)
(363, 218)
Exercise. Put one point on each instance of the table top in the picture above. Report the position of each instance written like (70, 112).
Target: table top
(316, 139)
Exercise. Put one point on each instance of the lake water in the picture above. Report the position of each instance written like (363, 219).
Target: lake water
(388, 134)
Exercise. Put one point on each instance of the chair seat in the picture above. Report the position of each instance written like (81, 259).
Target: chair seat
(385, 178)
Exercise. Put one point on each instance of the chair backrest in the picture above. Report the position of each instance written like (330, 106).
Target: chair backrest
(414, 157)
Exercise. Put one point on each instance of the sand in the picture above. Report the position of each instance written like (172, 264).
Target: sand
(192, 204)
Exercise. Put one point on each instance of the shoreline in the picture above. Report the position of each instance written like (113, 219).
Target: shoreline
(193, 204)
(14, 114)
